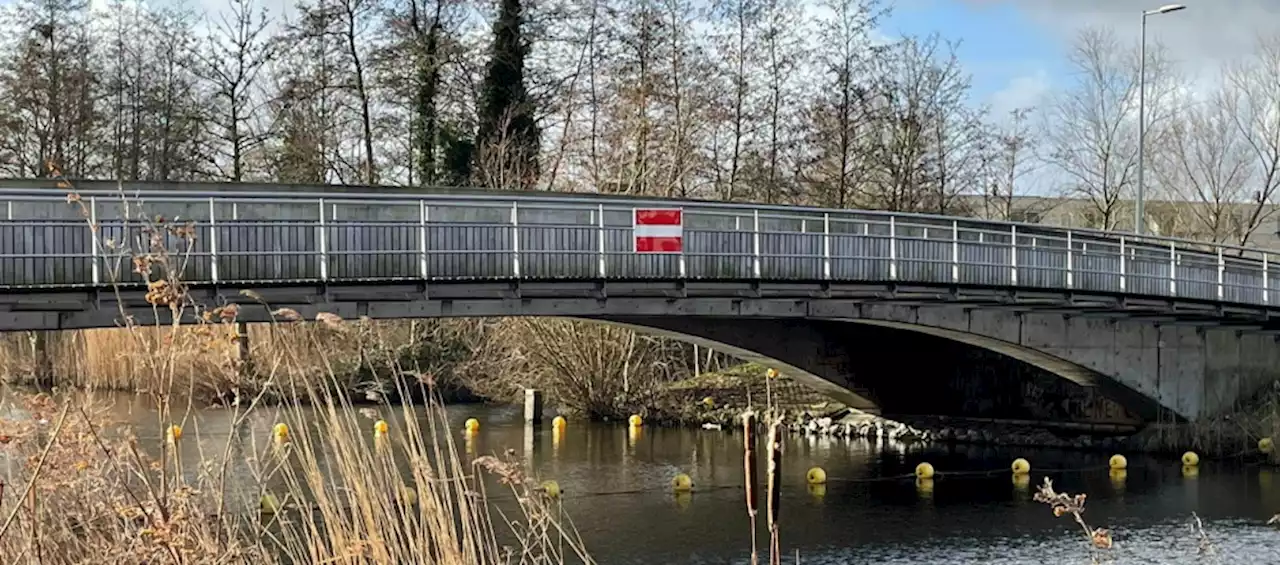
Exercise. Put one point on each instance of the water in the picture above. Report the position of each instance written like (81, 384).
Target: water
(618, 495)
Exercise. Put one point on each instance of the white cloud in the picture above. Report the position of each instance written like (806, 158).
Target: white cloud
(1202, 38)
(1022, 91)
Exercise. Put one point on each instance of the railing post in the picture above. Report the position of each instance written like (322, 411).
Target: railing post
(1173, 269)
(893, 248)
(515, 239)
(826, 246)
(94, 240)
(324, 244)
(600, 266)
(1013, 255)
(955, 251)
(1122, 265)
(1071, 252)
(424, 216)
(1222, 270)
(1266, 279)
(755, 242)
(213, 242)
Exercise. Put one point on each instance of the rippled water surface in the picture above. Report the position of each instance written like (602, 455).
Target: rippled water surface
(618, 495)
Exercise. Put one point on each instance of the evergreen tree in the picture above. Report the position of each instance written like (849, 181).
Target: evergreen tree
(507, 137)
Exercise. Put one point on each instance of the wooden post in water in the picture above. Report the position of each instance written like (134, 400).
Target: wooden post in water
(751, 476)
(242, 349)
(42, 364)
(775, 490)
(532, 406)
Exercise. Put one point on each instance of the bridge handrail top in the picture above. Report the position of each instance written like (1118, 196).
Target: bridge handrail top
(406, 196)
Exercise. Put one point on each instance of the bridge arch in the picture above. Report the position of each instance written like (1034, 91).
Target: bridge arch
(1144, 365)
(906, 370)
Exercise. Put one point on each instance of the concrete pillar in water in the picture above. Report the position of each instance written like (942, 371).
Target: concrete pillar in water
(532, 406)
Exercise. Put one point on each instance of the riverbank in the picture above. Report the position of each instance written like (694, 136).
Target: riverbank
(717, 400)
(593, 371)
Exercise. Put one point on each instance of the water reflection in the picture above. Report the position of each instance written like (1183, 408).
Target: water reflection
(617, 488)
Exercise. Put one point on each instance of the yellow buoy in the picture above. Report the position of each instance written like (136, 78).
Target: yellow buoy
(559, 422)
(1118, 476)
(681, 483)
(1118, 462)
(174, 433)
(816, 476)
(771, 373)
(924, 471)
(1020, 466)
(408, 495)
(380, 428)
(268, 504)
(709, 402)
(280, 432)
(1190, 459)
(1265, 445)
(552, 489)
(635, 420)
(683, 500)
(472, 425)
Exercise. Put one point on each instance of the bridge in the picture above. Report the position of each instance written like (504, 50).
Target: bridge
(896, 313)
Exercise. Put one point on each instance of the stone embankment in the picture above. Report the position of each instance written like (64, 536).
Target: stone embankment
(717, 401)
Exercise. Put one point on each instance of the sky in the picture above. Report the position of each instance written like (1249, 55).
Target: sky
(1016, 50)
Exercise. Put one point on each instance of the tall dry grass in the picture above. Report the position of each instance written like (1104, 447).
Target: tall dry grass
(109, 358)
(81, 488)
(589, 368)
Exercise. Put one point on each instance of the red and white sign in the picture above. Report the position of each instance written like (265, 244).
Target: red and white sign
(658, 230)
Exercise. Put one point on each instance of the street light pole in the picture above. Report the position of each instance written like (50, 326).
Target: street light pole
(1139, 217)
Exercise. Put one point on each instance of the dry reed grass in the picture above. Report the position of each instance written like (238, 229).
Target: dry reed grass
(79, 488)
(108, 358)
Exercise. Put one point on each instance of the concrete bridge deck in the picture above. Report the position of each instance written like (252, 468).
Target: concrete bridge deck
(1152, 323)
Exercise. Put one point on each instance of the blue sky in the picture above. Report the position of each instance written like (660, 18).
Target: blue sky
(1011, 58)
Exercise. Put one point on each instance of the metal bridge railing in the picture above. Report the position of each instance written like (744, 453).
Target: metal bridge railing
(255, 238)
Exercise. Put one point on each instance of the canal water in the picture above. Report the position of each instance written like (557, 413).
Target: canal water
(617, 492)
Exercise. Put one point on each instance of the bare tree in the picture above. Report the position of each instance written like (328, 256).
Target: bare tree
(739, 22)
(1012, 157)
(50, 97)
(782, 46)
(1091, 128)
(929, 139)
(1205, 163)
(237, 53)
(155, 118)
(841, 113)
(1252, 100)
